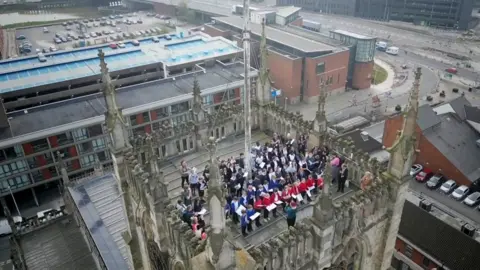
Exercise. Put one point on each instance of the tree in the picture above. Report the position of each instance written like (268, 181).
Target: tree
(183, 10)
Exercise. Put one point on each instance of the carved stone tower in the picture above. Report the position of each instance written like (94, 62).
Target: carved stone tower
(402, 156)
(119, 145)
(264, 83)
(198, 114)
(320, 116)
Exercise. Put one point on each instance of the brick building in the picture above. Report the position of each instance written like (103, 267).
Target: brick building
(297, 64)
(425, 241)
(448, 139)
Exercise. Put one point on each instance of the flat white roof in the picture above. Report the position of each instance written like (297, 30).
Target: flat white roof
(287, 11)
(350, 34)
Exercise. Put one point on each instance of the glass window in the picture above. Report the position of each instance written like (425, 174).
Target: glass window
(80, 134)
(133, 120)
(13, 168)
(98, 144)
(86, 161)
(65, 138)
(231, 93)
(320, 68)
(16, 182)
(102, 156)
(146, 117)
(163, 151)
(184, 144)
(208, 100)
(178, 120)
(39, 145)
(162, 112)
(177, 143)
(180, 107)
(138, 131)
(95, 130)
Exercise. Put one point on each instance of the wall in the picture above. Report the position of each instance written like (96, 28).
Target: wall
(428, 154)
(298, 22)
(417, 257)
(286, 74)
(362, 74)
(161, 8)
(336, 67)
(215, 32)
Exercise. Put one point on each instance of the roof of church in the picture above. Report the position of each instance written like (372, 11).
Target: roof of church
(100, 204)
(440, 240)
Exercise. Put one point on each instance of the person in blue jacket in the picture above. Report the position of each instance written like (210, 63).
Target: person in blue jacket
(233, 209)
(244, 222)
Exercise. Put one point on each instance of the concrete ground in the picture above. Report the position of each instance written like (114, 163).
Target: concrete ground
(5, 263)
(40, 40)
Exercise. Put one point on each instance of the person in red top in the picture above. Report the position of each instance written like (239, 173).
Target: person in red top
(302, 188)
(258, 206)
(267, 200)
(294, 190)
(310, 182)
(319, 183)
(286, 197)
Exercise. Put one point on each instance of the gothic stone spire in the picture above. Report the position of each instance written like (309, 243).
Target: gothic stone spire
(403, 150)
(215, 201)
(113, 116)
(263, 87)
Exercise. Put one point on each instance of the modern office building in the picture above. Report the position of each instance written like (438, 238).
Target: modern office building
(297, 65)
(449, 14)
(362, 53)
(31, 139)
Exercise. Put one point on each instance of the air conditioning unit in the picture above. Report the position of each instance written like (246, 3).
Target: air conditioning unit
(468, 229)
(425, 205)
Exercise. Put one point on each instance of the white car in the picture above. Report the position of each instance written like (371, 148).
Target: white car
(416, 168)
(93, 34)
(472, 199)
(121, 45)
(448, 187)
(460, 193)
(45, 30)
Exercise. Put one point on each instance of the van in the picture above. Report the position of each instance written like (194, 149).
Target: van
(5, 227)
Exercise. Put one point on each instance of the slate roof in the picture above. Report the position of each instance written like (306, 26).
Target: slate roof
(440, 240)
(472, 114)
(458, 105)
(456, 140)
(367, 144)
(427, 118)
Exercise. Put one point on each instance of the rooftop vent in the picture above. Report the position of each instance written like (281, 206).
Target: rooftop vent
(425, 205)
(364, 135)
(468, 229)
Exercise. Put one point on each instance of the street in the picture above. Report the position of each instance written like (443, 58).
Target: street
(449, 203)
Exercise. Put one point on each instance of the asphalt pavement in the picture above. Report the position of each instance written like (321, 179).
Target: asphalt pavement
(436, 197)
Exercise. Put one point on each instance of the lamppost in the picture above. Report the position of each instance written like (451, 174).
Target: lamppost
(14, 201)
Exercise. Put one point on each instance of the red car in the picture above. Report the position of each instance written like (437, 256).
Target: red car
(451, 70)
(113, 46)
(424, 175)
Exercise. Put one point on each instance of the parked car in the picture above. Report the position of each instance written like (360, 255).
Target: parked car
(139, 21)
(21, 37)
(69, 39)
(472, 199)
(125, 34)
(448, 187)
(142, 32)
(65, 23)
(113, 46)
(137, 33)
(460, 193)
(121, 45)
(68, 28)
(135, 43)
(451, 70)
(424, 175)
(435, 181)
(105, 32)
(93, 34)
(42, 58)
(147, 31)
(155, 39)
(119, 29)
(57, 41)
(53, 49)
(416, 168)
(45, 50)
(45, 30)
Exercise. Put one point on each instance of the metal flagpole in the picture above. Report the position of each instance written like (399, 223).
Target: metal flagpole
(14, 201)
(247, 87)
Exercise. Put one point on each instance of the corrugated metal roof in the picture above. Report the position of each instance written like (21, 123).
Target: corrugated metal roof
(101, 206)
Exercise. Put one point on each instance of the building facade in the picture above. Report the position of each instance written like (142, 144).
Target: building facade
(362, 53)
(34, 139)
(454, 14)
(297, 65)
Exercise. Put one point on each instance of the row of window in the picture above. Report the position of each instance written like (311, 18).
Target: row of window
(14, 183)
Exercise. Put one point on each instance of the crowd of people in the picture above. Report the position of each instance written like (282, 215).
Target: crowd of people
(285, 174)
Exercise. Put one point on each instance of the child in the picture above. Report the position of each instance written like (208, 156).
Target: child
(251, 212)
(233, 209)
(201, 188)
(291, 214)
(244, 222)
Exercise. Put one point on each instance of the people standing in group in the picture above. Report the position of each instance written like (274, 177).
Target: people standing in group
(194, 180)
(342, 179)
(335, 163)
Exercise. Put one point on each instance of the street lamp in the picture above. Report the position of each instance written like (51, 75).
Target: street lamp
(14, 201)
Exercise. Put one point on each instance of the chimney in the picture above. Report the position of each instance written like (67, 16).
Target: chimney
(4, 123)
(364, 135)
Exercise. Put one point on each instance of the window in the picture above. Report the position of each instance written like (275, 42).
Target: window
(11, 153)
(178, 120)
(320, 68)
(40, 160)
(231, 93)
(163, 151)
(338, 78)
(65, 138)
(180, 107)
(162, 112)
(177, 143)
(208, 100)
(426, 261)
(138, 131)
(223, 131)
(103, 156)
(146, 117)
(13, 168)
(408, 251)
(184, 144)
(39, 145)
(98, 144)
(80, 134)
(191, 144)
(86, 161)
(14, 183)
(133, 120)
(95, 130)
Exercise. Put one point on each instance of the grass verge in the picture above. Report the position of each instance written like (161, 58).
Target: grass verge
(32, 24)
(379, 74)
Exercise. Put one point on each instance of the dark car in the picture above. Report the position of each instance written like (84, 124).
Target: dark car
(436, 181)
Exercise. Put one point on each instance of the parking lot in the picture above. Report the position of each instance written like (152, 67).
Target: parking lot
(73, 33)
